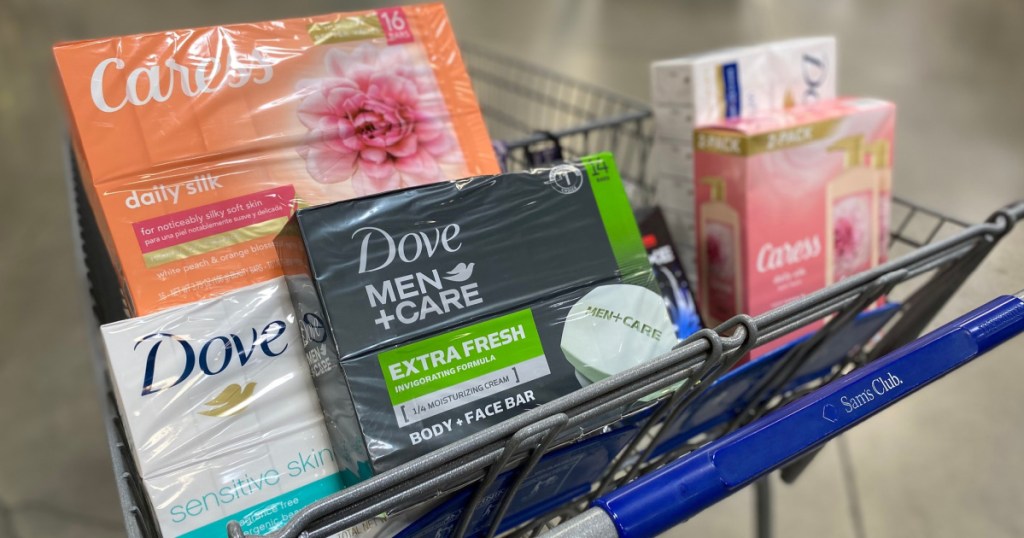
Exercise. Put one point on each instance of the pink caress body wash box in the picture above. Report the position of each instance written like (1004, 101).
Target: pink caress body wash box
(790, 202)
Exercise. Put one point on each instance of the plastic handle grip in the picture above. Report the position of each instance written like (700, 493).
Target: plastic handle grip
(673, 494)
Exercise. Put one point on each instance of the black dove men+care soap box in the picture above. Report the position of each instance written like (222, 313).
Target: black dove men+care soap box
(431, 313)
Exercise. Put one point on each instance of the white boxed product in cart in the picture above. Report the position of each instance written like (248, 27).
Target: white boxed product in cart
(432, 313)
(221, 414)
(706, 88)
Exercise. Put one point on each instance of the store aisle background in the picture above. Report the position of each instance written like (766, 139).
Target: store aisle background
(949, 462)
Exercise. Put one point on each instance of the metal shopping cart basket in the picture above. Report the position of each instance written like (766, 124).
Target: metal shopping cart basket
(564, 468)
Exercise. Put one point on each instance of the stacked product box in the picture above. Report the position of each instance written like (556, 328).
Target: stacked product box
(434, 312)
(220, 412)
(195, 147)
(222, 418)
(706, 88)
(789, 202)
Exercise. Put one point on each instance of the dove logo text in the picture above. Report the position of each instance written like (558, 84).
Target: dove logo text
(179, 355)
(815, 72)
(408, 248)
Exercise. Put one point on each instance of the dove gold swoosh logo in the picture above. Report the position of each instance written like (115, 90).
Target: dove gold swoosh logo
(231, 401)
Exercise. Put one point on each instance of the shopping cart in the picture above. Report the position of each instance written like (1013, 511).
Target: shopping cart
(681, 489)
(608, 455)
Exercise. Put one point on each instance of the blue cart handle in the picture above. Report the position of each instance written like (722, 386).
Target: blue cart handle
(678, 491)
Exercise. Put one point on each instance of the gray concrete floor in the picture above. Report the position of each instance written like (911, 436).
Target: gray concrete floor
(948, 462)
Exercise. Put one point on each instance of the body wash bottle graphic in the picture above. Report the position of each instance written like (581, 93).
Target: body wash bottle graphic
(851, 214)
(881, 160)
(721, 285)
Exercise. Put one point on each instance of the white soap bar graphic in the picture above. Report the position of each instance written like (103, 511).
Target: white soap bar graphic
(220, 411)
(613, 328)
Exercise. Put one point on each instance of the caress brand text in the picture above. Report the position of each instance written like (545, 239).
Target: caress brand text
(115, 85)
(771, 257)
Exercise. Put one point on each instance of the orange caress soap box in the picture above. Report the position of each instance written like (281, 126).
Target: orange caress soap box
(196, 145)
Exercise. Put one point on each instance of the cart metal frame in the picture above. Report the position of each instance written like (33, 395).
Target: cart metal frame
(542, 116)
(683, 488)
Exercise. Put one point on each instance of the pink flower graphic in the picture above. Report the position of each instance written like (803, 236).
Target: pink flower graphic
(716, 258)
(719, 249)
(851, 240)
(846, 238)
(884, 217)
(378, 119)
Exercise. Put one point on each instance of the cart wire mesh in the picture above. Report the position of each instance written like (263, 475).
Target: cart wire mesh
(537, 117)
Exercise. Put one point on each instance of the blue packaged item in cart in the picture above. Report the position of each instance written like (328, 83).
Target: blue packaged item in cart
(560, 477)
(842, 345)
(668, 271)
(732, 393)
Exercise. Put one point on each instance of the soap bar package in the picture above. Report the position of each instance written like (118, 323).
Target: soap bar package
(706, 88)
(434, 312)
(196, 145)
(669, 272)
(220, 413)
(790, 202)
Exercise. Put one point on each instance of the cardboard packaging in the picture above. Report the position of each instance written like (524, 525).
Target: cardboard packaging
(196, 145)
(707, 88)
(434, 312)
(790, 202)
(220, 413)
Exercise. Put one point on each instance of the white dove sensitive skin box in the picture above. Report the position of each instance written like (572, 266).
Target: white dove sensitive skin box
(434, 312)
(221, 414)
